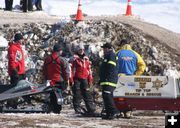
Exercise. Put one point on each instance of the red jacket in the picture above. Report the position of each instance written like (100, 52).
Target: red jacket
(16, 58)
(81, 68)
(56, 68)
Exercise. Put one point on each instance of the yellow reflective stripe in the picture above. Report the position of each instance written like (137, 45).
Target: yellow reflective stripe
(116, 57)
(108, 83)
(112, 62)
(121, 74)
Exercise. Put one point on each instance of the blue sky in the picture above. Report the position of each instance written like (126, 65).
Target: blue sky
(165, 13)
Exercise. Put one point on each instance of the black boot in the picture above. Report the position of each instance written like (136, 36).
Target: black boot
(110, 116)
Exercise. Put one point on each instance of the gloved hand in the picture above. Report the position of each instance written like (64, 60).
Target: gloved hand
(64, 85)
(15, 73)
(52, 83)
(98, 83)
(71, 82)
(90, 80)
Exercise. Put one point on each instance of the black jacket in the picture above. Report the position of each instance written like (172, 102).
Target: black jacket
(109, 69)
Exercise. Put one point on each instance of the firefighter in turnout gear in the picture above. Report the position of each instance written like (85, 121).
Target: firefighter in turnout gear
(108, 81)
(81, 79)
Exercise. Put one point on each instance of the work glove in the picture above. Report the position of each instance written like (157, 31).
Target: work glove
(98, 83)
(65, 85)
(52, 83)
(15, 73)
(90, 80)
(71, 82)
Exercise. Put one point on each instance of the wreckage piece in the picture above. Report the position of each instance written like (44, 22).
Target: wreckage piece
(147, 93)
(24, 98)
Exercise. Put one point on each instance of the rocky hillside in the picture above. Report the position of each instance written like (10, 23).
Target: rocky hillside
(159, 47)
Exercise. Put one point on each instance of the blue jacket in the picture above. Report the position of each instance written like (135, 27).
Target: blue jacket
(130, 62)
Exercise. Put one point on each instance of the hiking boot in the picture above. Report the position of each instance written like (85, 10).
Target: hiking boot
(127, 114)
(78, 111)
(106, 117)
(118, 115)
(91, 114)
(111, 116)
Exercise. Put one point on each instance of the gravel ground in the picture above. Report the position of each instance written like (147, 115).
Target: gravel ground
(67, 119)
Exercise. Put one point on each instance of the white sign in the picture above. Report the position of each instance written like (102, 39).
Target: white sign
(178, 86)
(146, 86)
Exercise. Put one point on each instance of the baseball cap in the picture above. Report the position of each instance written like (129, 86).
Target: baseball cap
(107, 45)
(57, 47)
(18, 36)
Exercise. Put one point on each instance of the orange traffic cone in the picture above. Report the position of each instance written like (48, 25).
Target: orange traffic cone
(79, 15)
(128, 10)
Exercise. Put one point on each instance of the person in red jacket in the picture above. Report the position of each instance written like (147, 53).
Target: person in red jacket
(56, 69)
(16, 66)
(81, 78)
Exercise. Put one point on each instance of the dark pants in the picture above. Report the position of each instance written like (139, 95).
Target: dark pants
(8, 5)
(38, 5)
(27, 5)
(16, 78)
(80, 91)
(61, 86)
(107, 93)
